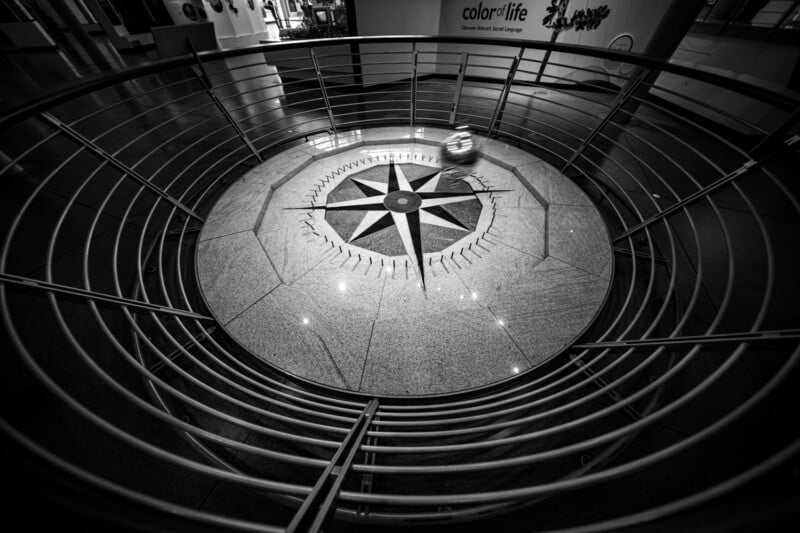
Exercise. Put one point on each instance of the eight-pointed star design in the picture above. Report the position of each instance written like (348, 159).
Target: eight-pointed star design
(405, 206)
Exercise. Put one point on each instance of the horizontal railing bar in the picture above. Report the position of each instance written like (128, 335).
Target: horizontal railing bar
(131, 98)
(621, 99)
(141, 498)
(174, 354)
(260, 63)
(475, 106)
(121, 124)
(44, 286)
(722, 112)
(650, 103)
(387, 101)
(299, 103)
(614, 472)
(258, 77)
(373, 111)
(294, 124)
(388, 120)
(235, 385)
(376, 93)
(249, 406)
(438, 63)
(286, 96)
(692, 198)
(482, 65)
(641, 255)
(767, 336)
(491, 56)
(571, 67)
(564, 83)
(274, 61)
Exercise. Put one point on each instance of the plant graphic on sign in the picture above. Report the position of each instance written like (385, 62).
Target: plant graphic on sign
(582, 19)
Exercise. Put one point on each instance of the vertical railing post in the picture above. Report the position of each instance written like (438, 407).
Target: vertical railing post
(546, 58)
(462, 69)
(501, 102)
(413, 83)
(111, 158)
(318, 505)
(202, 75)
(367, 479)
(621, 100)
(314, 60)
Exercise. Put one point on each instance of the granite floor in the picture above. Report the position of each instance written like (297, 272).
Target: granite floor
(313, 264)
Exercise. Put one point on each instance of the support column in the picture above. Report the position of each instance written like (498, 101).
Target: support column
(674, 26)
(80, 34)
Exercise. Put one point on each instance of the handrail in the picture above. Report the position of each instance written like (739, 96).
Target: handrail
(39, 103)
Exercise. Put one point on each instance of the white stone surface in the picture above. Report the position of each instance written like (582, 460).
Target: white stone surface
(503, 298)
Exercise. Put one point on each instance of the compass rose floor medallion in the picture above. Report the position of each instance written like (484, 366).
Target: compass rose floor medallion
(403, 210)
(363, 262)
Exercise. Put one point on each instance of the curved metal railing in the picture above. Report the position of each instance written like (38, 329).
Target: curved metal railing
(123, 381)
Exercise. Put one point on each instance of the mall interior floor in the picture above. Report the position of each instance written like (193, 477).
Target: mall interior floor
(26, 74)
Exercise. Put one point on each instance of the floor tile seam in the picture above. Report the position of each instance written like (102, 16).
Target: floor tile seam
(312, 267)
(470, 291)
(608, 262)
(560, 260)
(332, 359)
(95, 209)
(269, 259)
(534, 208)
(524, 165)
(380, 300)
(530, 187)
(489, 157)
(285, 178)
(535, 256)
(246, 309)
(546, 233)
(464, 283)
(508, 334)
(366, 355)
(573, 205)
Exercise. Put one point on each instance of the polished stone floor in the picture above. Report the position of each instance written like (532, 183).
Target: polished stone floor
(362, 261)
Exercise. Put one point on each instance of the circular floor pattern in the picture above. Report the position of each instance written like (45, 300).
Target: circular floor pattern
(363, 265)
